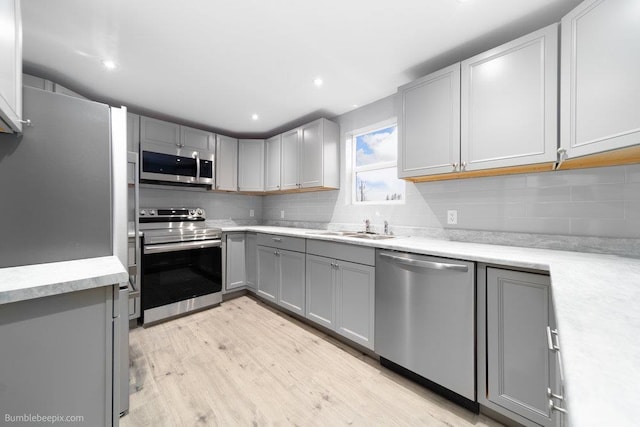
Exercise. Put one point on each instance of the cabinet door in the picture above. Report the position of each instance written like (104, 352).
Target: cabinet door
(159, 132)
(11, 67)
(509, 103)
(429, 127)
(235, 261)
(320, 293)
(197, 139)
(311, 155)
(250, 259)
(599, 77)
(272, 164)
(355, 304)
(292, 281)
(251, 165)
(226, 163)
(133, 132)
(290, 159)
(268, 280)
(518, 359)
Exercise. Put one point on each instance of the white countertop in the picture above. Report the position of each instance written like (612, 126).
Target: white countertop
(597, 304)
(41, 280)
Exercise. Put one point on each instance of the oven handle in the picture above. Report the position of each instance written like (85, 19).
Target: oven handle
(181, 246)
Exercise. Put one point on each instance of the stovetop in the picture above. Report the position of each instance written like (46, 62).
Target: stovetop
(165, 225)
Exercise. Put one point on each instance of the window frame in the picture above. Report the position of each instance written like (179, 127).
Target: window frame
(354, 170)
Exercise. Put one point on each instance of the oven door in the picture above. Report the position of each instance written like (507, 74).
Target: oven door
(180, 277)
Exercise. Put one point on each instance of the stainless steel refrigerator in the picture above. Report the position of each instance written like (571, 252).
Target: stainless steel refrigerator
(63, 193)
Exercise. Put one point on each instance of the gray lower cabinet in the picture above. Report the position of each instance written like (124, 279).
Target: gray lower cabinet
(281, 276)
(340, 292)
(320, 286)
(267, 272)
(235, 266)
(291, 292)
(355, 303)
(520, 368)
(250, 246)
(60, 351)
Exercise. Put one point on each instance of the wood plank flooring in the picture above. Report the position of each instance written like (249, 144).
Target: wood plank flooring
(245, 364)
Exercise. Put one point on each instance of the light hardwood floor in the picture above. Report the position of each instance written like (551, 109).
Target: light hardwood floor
(245, 364)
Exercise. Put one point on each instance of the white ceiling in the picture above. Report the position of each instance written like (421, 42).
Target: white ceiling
(214, 63)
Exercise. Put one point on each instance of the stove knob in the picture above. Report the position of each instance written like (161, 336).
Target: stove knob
(143, 212)
(200, 212)
(152, 212)
(192, 212)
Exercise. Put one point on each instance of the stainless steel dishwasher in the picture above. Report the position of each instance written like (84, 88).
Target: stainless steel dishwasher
(425, 321)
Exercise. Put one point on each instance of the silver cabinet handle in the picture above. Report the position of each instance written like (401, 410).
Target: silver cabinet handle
(553, 396)
(426, 264)
(276, 239)
(553, 407)
(455, 166)
(182, 246)
(550, 332)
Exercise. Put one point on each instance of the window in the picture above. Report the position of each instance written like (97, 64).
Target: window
(375, 175)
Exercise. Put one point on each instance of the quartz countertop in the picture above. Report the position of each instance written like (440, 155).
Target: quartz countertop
(597, 304)
(41, 280)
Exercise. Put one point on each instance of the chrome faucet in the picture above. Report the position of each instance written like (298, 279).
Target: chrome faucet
(367, 226)
(386, 227)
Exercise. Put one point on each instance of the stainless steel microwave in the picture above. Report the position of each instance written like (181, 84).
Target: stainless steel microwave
(176, 165)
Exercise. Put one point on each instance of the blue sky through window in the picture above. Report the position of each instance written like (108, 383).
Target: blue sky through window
(377, 146)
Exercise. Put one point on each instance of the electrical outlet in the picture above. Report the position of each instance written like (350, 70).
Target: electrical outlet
(281, 214)
(452, 217)
(252, 213)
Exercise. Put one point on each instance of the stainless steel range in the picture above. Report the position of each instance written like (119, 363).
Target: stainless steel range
(181, 263)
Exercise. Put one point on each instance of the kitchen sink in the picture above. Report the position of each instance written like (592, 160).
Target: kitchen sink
(333, 233)
(355, 234)
(371, 236)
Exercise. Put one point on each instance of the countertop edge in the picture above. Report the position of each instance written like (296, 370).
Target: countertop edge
(41, 280)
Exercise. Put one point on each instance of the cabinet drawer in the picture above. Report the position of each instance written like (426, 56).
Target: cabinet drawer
(342, 251)
(282, 242)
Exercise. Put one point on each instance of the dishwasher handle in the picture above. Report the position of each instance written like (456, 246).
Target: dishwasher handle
(425, 264)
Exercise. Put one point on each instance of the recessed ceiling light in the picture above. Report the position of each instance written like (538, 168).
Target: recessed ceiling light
(317, 81)
(108, 64)
(355, 105)
(254, 116)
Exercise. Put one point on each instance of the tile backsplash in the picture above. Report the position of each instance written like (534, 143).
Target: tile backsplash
(600, 202)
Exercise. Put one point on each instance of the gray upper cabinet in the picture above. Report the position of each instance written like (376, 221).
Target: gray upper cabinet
(600, 88)
(290, 151)
(196, 138)
(11, 67)
(251, 165)
(509, 103)
(159, 132)
(226, 163)
(235, 265)
(429, 125)
(272, 163)
(520, 367)
(310, 156)
(133, 132)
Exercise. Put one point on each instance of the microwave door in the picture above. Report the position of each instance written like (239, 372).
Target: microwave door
(166, 164)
